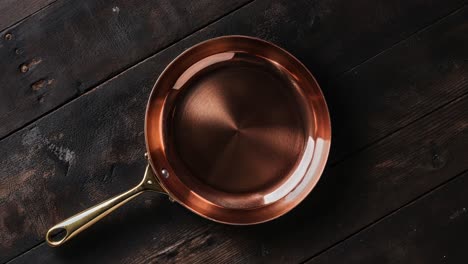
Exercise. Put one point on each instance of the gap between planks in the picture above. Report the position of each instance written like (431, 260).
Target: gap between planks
(396, 211)
(116, 74)
(26, 251)
(5, 29)
(366, 146)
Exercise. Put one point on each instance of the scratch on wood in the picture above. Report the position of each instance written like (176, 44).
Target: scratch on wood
(109, 175)
(386, 164)
(264, 250)
(34, 137)
(172, 251)
(63, 154)
(458, 213)
(41, 84)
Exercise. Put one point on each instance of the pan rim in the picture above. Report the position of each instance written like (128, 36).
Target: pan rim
(210, 210)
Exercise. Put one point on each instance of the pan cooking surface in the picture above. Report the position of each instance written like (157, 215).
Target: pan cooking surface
(237, 126)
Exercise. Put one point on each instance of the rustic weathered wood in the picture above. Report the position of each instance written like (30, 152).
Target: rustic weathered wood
(352, 195)
(91, 149)
(366, 186)
(62, 51)
(12, 11)
(431, 230)
(80, 44)
(413, 79)
(101, 143)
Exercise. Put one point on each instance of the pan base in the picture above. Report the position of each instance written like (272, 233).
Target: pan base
(238, 127)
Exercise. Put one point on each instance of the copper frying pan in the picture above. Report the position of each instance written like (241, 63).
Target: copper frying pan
(237, 131)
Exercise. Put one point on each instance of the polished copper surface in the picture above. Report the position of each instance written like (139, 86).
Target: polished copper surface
(237, 130)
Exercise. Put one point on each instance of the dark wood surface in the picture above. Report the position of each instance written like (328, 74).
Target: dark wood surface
(13, 11)
(71, 46)
(394, 75)
(429, 230)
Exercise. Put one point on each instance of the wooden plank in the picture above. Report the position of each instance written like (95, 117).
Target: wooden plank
(413, 78)
(57, 160)
(64, 50)
(111, 145)
(364, 187)
(431, 230)
(13, 11)
(402, 85)
(352, 195)
(82, 44)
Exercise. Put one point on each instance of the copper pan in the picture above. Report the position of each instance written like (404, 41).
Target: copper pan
(237, 130)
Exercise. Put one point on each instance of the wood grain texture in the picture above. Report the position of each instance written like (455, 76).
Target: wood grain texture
(111, 145)
(81, 44)
(402, 85)
(431, 230)
(64, 50)
(91, 149)
(12, 11)
(366, 186)
(350, 196)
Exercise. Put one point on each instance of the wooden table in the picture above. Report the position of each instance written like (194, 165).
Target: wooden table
(75, 77)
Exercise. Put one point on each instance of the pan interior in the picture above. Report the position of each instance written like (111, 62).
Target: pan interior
(237, 127)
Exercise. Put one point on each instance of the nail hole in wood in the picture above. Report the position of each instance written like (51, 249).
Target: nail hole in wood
(24, 68)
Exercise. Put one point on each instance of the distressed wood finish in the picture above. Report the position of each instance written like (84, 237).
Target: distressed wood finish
(431, 230)
(67, 168)
(86, 150)
(407, 82)
(12, 11)
(350, 196)
(64, 50)
(80, 44)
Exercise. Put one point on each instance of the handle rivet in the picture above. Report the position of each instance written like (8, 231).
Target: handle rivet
(149, 182)
(165, 173)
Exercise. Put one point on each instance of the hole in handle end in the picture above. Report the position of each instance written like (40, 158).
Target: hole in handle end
(56, 236)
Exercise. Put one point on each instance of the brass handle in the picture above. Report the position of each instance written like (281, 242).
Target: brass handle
(62, 232)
